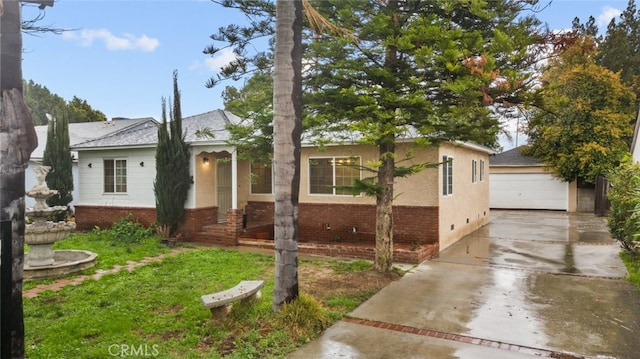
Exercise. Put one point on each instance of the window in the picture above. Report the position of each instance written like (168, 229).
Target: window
(481, 170)
(447, 175)
(325, 173)
(261, 178)
(115, 176)
(474, 173)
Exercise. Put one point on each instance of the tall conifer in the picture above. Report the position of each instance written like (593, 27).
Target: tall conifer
(173, 179)
(57, 155)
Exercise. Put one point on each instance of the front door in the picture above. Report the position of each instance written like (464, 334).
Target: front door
(223, 180)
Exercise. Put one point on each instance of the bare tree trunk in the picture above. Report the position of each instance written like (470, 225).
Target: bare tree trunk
(384, 208)
(287, 123)
(17, 141)
(386, 173)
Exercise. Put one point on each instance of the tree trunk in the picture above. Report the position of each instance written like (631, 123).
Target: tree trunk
(17, 141)
(287, 123)
(386, 173)
(384, 208)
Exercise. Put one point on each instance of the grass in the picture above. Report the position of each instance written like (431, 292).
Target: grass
(632, 262)
(156, 310)
(110, 253)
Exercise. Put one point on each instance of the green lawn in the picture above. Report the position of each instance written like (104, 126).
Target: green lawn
(632, 262)
(156, 310)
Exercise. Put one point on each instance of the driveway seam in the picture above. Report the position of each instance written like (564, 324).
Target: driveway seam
(522, 349)
(498, 266)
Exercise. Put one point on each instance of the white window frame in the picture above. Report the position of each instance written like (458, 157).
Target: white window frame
(447, 175)
(481, 170)
(115, 176)
(333, 160)
(252, 179)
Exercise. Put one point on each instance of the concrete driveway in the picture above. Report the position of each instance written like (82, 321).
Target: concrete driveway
(529, 284)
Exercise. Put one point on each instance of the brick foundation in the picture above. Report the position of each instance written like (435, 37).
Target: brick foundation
(335, 222)
(401, 253)
(88, 217)
(324, 229)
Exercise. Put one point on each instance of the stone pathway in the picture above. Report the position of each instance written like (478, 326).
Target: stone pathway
(130, 266)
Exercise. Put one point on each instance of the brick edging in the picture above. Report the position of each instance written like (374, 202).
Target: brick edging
(543, 353)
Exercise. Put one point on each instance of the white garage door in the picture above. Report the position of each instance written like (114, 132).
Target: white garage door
(528, 191)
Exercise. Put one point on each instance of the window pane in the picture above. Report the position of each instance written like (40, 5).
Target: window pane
(450, 176)
(261, 178)
(121, 175)
(346, 172)
(447, 175)
(474, 171)
(109, 173)
(321, 175)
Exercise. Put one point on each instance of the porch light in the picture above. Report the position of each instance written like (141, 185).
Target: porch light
(205, 160)
(142, 164)
(89, 165)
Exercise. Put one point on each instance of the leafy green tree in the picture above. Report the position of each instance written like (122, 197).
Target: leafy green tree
(40, 101)
(430, 68)
(586, 127)
(624, 216)
(253, 103)
(80, 111)
(172, 182)
(57, 155)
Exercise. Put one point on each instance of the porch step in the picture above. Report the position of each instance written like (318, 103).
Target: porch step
(214, 233)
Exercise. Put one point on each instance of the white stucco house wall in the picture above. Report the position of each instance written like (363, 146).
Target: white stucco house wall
(78, 133)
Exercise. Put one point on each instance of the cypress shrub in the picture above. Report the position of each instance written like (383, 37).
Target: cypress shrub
(173, 179)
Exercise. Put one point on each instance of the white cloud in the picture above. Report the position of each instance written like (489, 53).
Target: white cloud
(222, 58)
(113, 42)
(606, 15)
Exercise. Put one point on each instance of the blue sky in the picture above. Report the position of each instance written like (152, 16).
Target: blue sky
(122, 55)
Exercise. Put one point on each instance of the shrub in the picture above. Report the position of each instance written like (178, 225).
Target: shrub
(624, 215)
(128, 230)
(304, 318)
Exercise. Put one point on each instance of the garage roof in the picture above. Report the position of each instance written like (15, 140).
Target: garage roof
(513, 157)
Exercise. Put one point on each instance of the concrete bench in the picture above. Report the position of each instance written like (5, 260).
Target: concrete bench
(220, 303)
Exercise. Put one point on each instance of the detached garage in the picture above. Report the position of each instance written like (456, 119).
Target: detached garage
(521, 182)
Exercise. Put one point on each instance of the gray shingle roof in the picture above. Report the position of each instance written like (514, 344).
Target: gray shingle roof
(513, 157)
(214, 121)
(86, 131)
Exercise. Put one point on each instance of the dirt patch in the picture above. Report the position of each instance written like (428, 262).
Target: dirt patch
(324, 282)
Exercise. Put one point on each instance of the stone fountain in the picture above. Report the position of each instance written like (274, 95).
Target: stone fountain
(42, 261)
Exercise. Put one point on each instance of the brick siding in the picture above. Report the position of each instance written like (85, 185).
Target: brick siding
(335, 222)
(88, 217)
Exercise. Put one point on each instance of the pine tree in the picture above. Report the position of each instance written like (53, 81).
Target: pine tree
(57, 155)
(619, 50)
(438, 70)
(173, 180)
